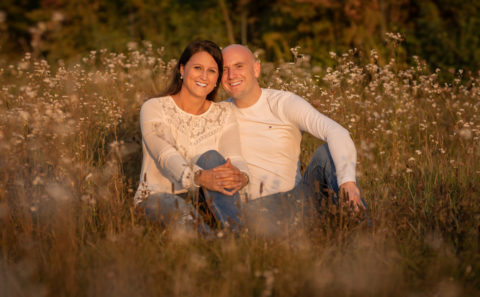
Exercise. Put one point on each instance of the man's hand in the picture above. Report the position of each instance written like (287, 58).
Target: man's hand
(350, 190)
(228, 176)
(226, 179)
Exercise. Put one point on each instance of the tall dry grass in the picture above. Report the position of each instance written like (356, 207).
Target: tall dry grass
(70, 159)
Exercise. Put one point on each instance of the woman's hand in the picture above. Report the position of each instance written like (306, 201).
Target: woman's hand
(226, 179)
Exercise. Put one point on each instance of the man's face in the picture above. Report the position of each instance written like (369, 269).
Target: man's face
(240, 72)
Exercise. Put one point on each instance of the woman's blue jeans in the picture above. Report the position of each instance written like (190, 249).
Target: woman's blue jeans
(170, 208)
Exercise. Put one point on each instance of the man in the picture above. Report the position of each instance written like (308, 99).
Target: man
(271, 125)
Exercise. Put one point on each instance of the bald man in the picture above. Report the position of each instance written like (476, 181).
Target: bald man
(271, 126)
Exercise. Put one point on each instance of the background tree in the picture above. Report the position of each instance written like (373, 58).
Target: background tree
(444, 32)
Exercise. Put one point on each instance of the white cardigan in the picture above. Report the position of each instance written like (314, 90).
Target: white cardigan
(173, 140)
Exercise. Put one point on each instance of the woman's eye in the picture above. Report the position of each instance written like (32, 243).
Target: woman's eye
(213, 71)
(197, 67)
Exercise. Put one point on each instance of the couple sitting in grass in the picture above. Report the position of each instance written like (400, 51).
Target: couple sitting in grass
(236, 163)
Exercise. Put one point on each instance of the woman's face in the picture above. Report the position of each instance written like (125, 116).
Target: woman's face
(200, 75)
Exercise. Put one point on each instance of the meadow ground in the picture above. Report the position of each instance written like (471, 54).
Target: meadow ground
(70, 161)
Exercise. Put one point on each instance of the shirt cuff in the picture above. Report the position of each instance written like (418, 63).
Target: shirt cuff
(188, 176)
(346, 179)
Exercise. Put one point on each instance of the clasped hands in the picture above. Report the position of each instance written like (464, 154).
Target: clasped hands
(226, 179)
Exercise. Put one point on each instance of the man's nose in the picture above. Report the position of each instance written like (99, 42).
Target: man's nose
(230, 73)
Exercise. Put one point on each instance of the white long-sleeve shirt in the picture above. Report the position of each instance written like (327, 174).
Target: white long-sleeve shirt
(173, 140)
(271, 132)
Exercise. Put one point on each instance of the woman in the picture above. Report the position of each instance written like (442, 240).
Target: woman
(185, 139)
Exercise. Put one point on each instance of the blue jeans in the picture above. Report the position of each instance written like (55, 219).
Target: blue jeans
(171, 208)
(277, 212)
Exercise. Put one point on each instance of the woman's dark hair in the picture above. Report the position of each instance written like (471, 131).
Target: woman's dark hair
(194, 47)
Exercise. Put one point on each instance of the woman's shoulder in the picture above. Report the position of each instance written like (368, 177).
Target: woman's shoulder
(157, 100)
(157, 108)
(157, 104)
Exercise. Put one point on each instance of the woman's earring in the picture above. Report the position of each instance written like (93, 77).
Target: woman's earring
(181, 77)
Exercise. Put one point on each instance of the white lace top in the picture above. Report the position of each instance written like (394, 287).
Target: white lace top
(173, 140)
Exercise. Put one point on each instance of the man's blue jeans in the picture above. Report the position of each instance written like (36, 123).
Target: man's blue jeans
(170, 208)
(274, 214)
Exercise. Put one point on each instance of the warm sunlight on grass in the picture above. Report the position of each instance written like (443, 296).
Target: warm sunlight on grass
(70, 162)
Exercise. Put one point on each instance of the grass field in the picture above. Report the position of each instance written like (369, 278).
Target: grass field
(70, 159)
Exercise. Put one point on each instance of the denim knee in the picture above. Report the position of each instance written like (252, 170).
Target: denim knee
(322, 153)
(210, 159)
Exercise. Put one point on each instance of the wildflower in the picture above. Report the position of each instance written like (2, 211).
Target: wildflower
(418, 152)
(30, 93)
(24, 115)
(23, 65)
(409, 170)
(88, 200)
(58, 17)
(37, 181)
(57, 192)
(294, 51)
(396, 37)
(465, 133)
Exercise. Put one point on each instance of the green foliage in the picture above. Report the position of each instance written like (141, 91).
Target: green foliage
(444, 32)
(67, 29)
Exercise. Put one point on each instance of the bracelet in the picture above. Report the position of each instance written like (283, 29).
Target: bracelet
(196, 176)
(248, 178)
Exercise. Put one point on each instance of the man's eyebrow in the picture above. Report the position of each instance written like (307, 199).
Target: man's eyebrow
(235, 64)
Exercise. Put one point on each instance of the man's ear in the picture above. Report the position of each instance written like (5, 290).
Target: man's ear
(256, 69)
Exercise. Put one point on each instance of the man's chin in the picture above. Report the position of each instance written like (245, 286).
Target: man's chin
(234, 93)
(231, 94)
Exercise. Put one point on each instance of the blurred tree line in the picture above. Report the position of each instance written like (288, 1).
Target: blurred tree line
(446, 33)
